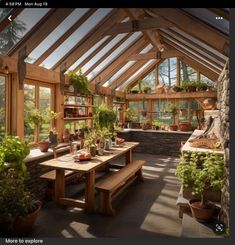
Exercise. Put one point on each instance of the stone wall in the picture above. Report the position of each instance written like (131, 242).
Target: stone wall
(223, 106)
(156, 142)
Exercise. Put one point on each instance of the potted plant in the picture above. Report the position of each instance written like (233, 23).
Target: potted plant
(145, 124)
(201, 86)
(80, 82)
(19, 209)
(105, 117)
(201, 172)
(44, 145)
(129, 115)
(156, 125)
(173, 109)
(90, 141)
(146, 89)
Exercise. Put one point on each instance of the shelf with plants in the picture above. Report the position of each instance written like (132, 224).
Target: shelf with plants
(76, 118)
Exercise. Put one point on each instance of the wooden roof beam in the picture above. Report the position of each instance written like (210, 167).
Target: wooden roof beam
(193, 57)
(220, 12)
(153, 55)
(154, 38)
(107, 54)
(139, 25)
(119, 81)
(90, 39)
(73, 28)
(14, 13)
(96, 51)
(39, 32)
(119, 61)
(194, 27)
(144, 73)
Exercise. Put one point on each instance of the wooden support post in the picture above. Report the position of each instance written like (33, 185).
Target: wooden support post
(21, 67)
(90, 191)
(59, 185)
(62, 77)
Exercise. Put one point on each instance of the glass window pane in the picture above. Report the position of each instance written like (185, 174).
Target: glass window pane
(160, 112)
(2, 106)
(114, 54)
(29, 105)
(44, 105)
(73, 39)
(85, 55)
(19, 27)
(56, 34)
(103, 51)
(183, 110)
(134, 105)
(167, 71)
(187, 72)
(207, 80)
(4, 12)
(149, 81)
(132, 77)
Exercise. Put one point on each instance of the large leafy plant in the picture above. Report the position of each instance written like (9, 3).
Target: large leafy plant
(12, 152)
(201, 172)
(80, 82)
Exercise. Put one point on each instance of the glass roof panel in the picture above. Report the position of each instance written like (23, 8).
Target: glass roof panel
(198, 42)
(103, 51)
(119, 73)
(194, 48)
(114, 54)
(56, 34)
(74, 38)
(19, 27)
(210, 18)
(4, 12)
(126, 66)
(85, 55)
(121, 87)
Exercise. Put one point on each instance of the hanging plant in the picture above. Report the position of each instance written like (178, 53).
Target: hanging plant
(80, 82)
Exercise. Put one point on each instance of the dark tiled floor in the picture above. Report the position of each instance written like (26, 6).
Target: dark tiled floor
(145, 209)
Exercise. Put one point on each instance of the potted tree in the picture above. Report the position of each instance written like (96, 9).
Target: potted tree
(19, 209)
(201, 172)
(173, 109)
(129, 115)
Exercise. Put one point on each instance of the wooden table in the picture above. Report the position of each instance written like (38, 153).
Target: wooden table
(88, 168)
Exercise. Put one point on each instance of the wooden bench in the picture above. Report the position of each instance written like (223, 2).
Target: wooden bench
(113, 185)
(50, 176)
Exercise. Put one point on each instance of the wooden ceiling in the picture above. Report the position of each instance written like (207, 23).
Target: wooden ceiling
(172, 32)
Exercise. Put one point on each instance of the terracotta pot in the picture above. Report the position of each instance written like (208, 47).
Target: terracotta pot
(173, 127)
(44, 146)
(185, 126)
(25, 225)
(202, 214)
(191, 89)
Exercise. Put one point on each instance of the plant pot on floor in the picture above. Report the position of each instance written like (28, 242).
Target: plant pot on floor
(25, 225)
(200, 213)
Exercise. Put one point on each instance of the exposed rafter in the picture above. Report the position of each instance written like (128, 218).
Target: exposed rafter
(139, 25)
(91, 38)
(40, 31)
(155, 39)
(194, 27)
(220, 12)
(96, 51)
(119, 61)
(108, 53)
(153, 55)
(73, 28)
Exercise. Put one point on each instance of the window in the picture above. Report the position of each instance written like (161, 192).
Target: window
(160, 112)
(149, 81)
(167, 72)
(2, 105)
(207, 80)
(138, 107)
(187, 72)
(37, 96)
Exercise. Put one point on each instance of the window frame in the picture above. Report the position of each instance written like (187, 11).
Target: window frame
(37, 85)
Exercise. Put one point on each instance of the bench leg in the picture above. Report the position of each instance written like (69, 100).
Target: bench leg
(140, 175)
(105, 206)
(181, 211)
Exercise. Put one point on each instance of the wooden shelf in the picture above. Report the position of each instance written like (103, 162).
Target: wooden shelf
(76, 118)
(75, 94)
(178, 95)
(76, 106)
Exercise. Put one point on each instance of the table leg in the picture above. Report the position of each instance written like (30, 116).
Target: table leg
(90, 191)
(129, 156)
(59, 185)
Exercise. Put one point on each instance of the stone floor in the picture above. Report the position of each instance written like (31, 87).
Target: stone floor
(145, 209)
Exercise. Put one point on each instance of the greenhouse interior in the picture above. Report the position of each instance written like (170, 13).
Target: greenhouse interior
(114, 122)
